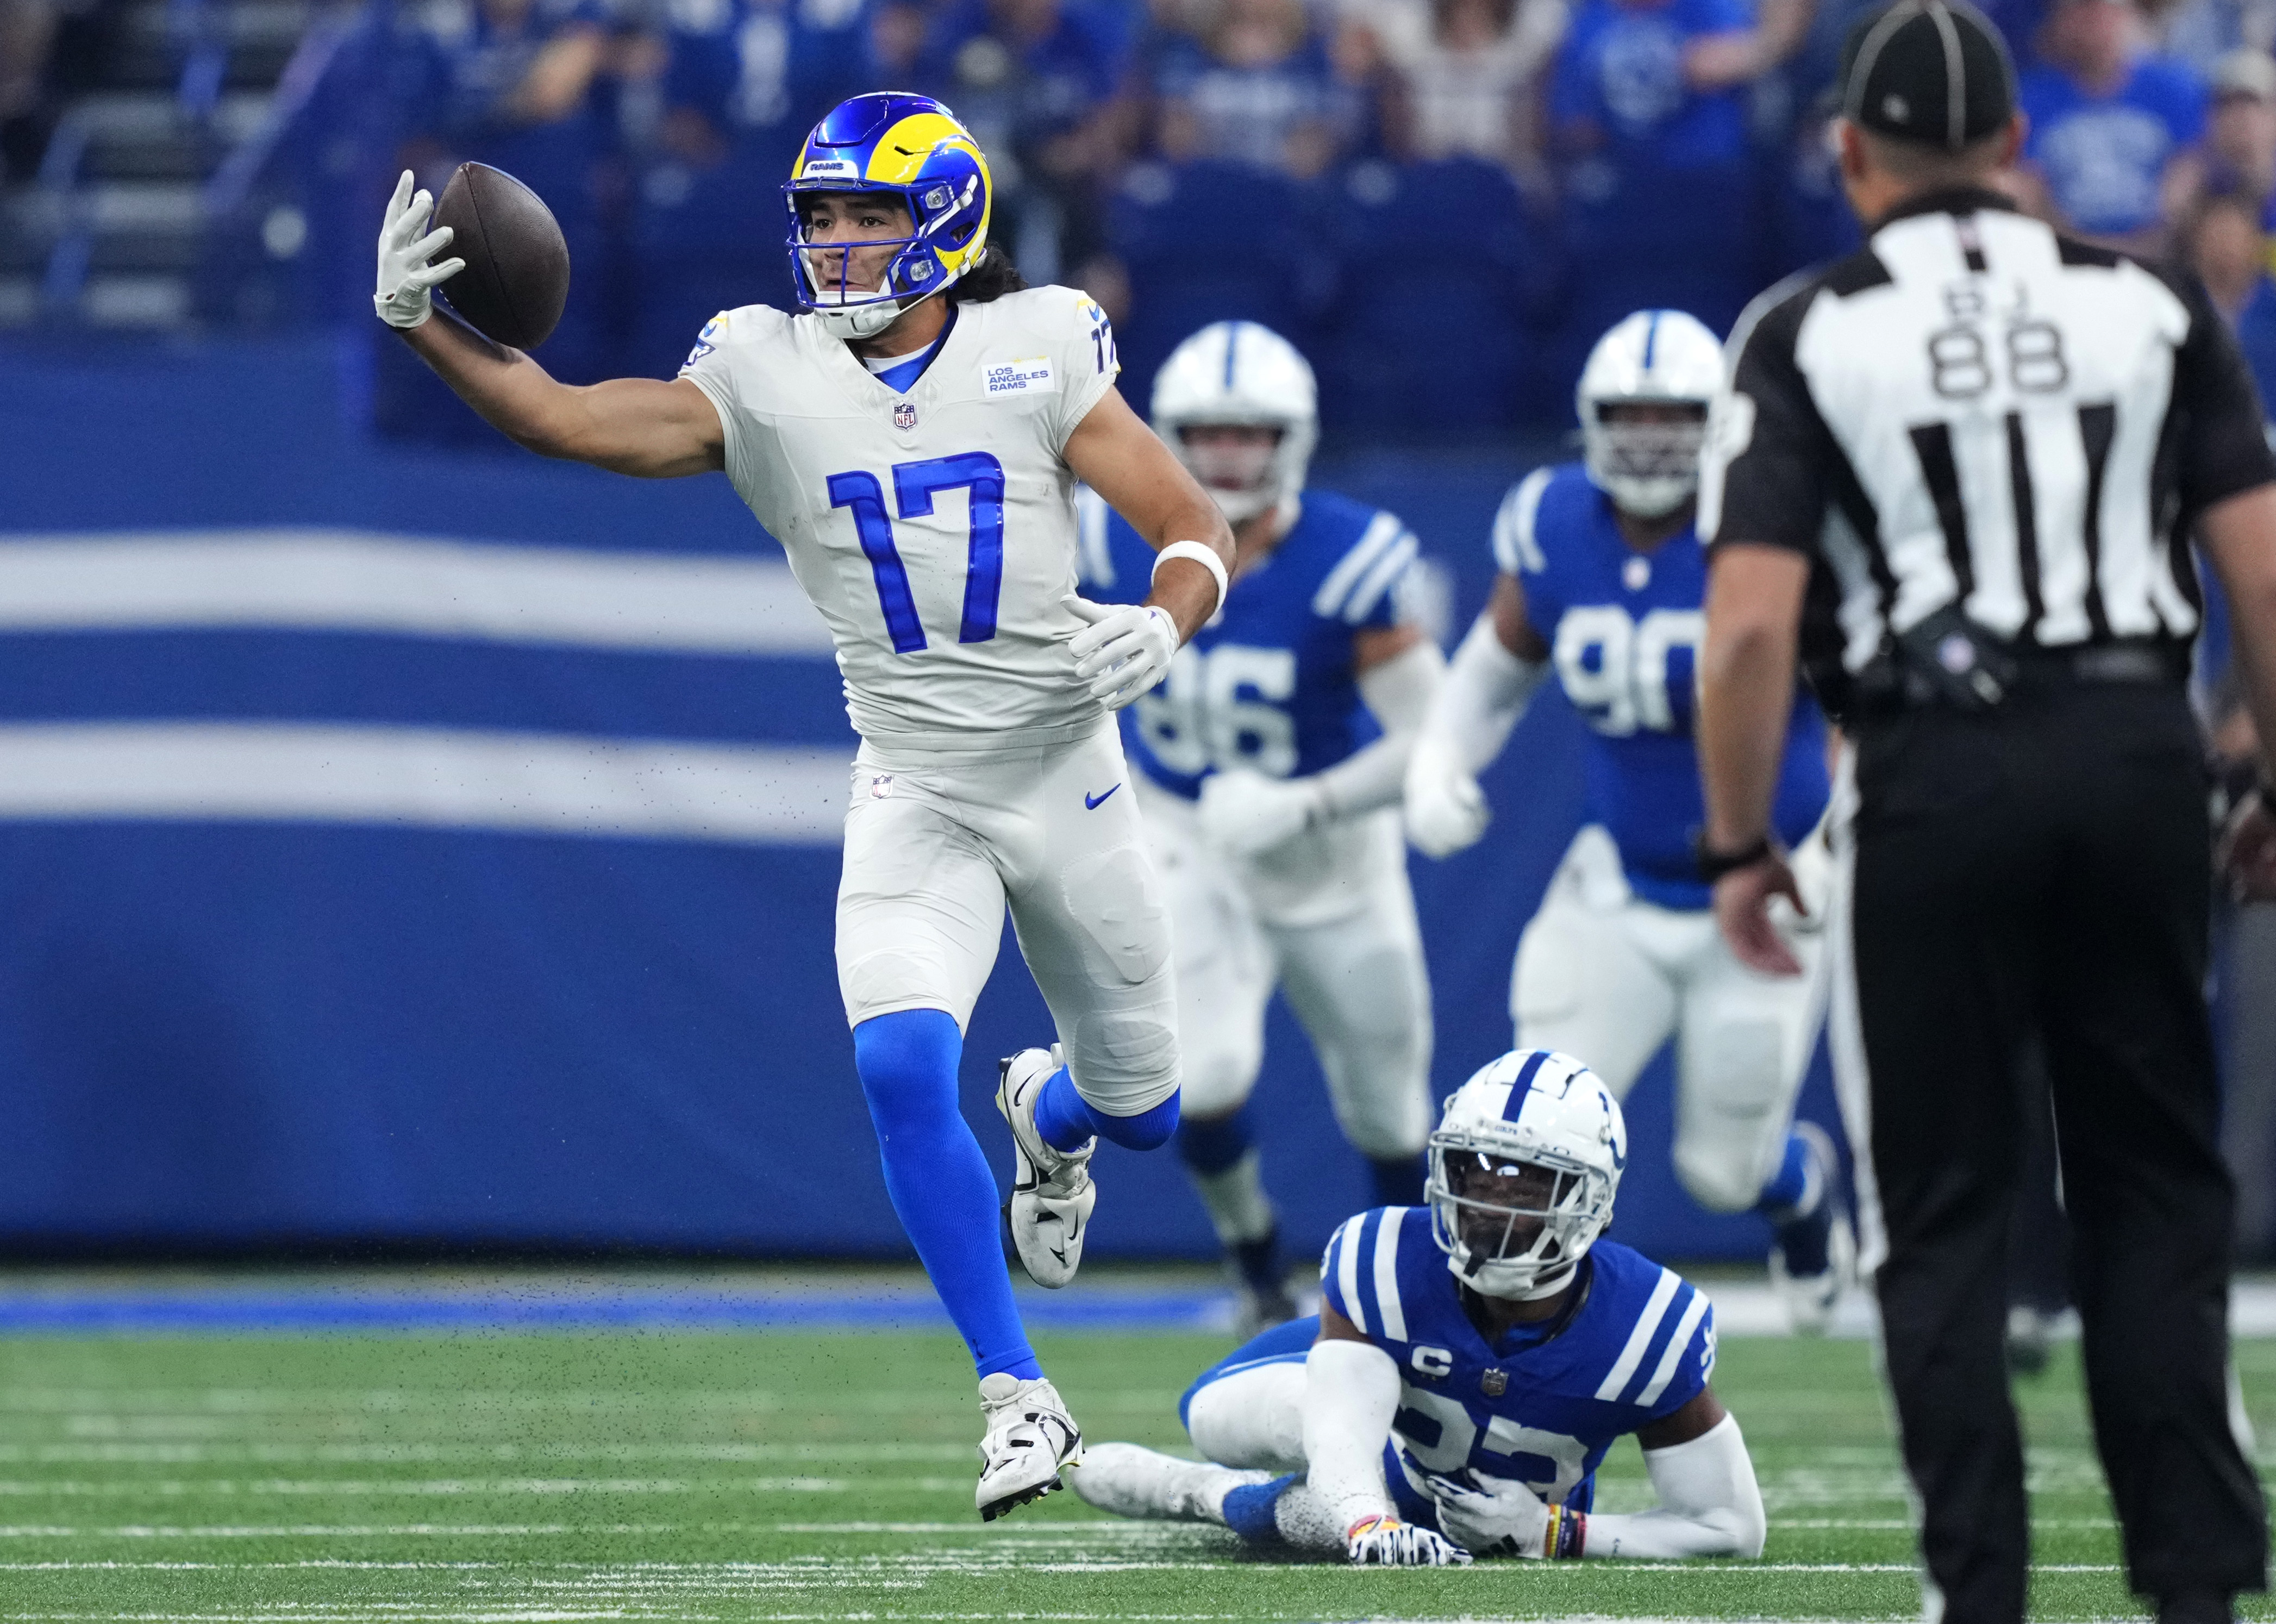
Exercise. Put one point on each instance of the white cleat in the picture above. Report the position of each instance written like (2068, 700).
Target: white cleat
(1811, 1299)
(1029, 1437)
(1131, 1482)
(1052, 1191)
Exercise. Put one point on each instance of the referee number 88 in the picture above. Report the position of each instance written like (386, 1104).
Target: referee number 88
(1960, 359)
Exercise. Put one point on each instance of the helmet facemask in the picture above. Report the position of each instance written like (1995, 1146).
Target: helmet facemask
(1514, 1223)
(1644, 453)
(1237, 464)
(859, 288)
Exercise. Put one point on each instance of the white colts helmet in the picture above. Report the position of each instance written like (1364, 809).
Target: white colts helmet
(1237, 373)
(1653, 358)
(1531, 1113)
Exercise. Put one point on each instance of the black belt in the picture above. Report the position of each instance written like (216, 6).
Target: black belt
(1947, 664)
(2138, 661)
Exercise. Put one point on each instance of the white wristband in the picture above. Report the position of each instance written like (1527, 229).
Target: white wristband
(1204, 556)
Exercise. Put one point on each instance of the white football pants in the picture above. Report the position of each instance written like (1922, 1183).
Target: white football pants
(1330, 918)
(937, 845)
(1253, 1417)
(1608, 979)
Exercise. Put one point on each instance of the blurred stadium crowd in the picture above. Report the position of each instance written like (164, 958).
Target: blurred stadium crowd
(1372, 177)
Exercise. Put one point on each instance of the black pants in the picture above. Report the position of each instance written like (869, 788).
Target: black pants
(2042, 870)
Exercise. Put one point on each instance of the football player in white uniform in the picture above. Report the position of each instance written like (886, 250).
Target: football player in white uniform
(1269, 763)
(1602, 577)
(914, 441)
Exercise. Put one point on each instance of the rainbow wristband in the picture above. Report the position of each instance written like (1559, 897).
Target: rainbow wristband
(1566, 1535)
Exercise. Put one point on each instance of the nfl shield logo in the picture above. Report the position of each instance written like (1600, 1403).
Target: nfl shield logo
(905, 416)
(1494, 1383)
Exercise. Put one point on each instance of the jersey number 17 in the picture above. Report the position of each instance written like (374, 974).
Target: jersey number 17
(916, 484)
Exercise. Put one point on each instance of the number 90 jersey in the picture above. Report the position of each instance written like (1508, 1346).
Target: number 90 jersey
(1267, 684)
(1624, 629)
(934, 529)
(1634, 1343)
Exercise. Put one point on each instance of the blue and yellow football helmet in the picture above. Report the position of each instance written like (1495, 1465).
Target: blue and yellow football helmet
(915, 148)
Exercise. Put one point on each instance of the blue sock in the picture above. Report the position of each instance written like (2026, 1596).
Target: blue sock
(1064, 1119)
(1397, 1180)
(1212, 1146)
(1783, 1194)
(1804, 1236)
(939, 1179)
(1248, 1510)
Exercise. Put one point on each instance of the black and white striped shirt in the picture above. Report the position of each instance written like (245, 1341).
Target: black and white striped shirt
(1974, 410)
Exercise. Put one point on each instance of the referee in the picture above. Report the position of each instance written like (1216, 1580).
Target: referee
(1956, 474)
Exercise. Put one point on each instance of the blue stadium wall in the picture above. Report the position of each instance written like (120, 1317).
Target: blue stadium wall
(230, 1020)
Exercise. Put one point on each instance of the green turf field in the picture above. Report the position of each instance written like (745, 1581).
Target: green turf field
(816, 1477)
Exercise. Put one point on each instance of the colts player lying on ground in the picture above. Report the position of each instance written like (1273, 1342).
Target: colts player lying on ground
(1445, 1407)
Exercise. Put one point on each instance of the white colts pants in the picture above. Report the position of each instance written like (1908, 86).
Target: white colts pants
(1252, 1416)
(1330, 918)
(1608, 979)
(936, 844)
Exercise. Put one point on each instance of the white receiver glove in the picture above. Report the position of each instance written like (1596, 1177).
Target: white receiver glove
(1125, 651)
(407, 282)
(1386, 1542)
(1491, 1516)
(1447, 811)
(1245, 813)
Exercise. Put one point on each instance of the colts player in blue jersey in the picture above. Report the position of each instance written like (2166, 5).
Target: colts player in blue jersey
(1269, 763)
(1471, 1364)
(1601, 582)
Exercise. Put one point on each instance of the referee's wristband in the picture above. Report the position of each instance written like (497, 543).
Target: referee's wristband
(1203, 555)
(1713, 865)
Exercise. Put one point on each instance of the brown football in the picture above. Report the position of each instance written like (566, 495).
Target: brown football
(517, 273)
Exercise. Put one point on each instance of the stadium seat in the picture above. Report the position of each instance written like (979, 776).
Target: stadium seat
(1658, 237)
(1211, 242)
(1430, 330)
(703, 240)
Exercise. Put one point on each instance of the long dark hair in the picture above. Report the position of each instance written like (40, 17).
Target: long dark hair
(994, 276)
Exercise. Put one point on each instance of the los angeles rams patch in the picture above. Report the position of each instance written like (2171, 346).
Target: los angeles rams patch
(1019, 377)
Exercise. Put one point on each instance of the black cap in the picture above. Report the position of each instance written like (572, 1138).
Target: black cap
(1931, 72)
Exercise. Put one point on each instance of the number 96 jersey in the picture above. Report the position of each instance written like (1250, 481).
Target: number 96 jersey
(933, 528)
(1267, 684)
(1624, 629)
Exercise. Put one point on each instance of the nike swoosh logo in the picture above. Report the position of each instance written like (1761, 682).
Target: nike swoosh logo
(1091, 803)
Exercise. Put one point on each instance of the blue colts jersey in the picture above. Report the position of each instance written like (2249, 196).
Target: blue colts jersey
(1267, 684)
(1624, 629)
(1544, 1404)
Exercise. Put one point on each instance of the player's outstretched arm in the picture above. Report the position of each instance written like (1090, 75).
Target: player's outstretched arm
(1351, 1394)
(1710, 1504)
(1493, 677)
(1116, 455)
(638, 426)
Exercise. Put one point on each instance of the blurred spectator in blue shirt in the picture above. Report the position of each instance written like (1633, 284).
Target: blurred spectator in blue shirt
(1252, 83)
(2111, 122)
(1627, 87)
(755, 75)
(1033, 80)
(2223, 241)
(1662, 200)
(510, 83)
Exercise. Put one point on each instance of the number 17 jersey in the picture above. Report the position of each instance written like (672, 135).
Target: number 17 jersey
(935, 529)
